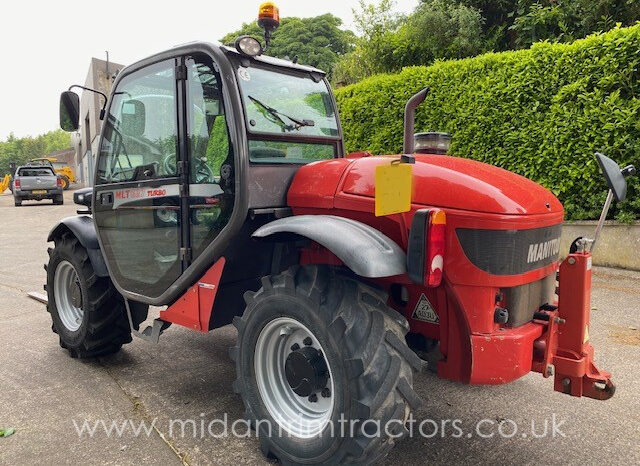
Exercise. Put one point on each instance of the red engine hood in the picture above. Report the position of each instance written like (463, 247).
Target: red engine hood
(438, 180)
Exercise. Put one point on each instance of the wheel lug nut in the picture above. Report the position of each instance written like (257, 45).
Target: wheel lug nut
(307, 341)
(295, 347)
(313, 398)
(326, 393)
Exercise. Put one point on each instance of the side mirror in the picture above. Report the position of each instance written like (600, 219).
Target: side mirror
(69, 111)
(133, 117)
(615, 176)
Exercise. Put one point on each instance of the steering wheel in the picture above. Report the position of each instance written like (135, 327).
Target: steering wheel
(169, 165)
(203, 172)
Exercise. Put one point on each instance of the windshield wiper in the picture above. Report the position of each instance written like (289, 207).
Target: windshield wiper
(277, 114)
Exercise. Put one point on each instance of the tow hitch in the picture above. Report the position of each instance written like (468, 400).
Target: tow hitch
(563, 351)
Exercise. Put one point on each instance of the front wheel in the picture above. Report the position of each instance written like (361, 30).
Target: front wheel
(323, 369)
(65, 182)
(88, 313)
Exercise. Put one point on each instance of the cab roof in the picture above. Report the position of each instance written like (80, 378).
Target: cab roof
(271, 60)
(219, 49)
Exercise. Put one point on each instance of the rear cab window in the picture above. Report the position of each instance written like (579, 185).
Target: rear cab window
(35, 172)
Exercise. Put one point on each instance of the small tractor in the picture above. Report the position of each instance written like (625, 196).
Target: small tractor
(64, 171)
(223, 194)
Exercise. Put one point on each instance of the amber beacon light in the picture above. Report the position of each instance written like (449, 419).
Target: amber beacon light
(268, 19)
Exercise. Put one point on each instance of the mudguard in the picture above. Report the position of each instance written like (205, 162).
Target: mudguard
(82, 228)
(362, 248)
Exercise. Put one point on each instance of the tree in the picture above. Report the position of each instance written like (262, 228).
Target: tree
(376, 24)
(20, 150)
(437, 29)
(316, 41)
(568, 20)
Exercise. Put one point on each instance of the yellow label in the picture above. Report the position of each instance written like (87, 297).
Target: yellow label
(393, 189)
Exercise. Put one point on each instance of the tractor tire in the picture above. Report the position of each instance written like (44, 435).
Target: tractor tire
(318, 351)
(17, 202)
(58, 199)
(87, 311)
(65, 182)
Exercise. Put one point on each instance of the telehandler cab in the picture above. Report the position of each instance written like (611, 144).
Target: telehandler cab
(223, 192)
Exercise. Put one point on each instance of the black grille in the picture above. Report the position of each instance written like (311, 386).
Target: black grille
(511, 252)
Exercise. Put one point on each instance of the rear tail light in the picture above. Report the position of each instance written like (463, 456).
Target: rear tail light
(435, 247)
(59, 182)
(16, 183)
(425, 254)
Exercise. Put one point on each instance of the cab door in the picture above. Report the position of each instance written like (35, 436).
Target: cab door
(163, 185)
(136, 203)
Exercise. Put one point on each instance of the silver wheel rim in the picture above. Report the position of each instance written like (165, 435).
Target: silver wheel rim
(64, 281)
(295, 414)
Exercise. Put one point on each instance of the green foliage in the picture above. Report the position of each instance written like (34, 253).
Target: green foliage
(437, 29)
(316, 41)
(445, 29)
(20, 150)
(541, 113)
(218, 145)
(567, 20)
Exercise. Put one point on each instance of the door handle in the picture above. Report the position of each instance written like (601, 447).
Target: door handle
(106, 199)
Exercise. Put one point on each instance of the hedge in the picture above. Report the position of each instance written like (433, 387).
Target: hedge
(540, 112)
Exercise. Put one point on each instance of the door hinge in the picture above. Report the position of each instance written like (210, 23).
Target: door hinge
(185, 254)
(181, 73)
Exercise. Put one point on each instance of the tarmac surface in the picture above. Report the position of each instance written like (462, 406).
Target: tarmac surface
(44, 394)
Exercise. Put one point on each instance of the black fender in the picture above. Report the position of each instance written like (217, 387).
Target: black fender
(362, 248)
(82, 228)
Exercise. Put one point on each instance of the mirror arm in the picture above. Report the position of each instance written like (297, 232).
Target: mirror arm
(603, 216)
(104, 105)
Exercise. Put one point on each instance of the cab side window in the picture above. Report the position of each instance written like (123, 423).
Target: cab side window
(208, 134)
(211, 181)
(140, 134)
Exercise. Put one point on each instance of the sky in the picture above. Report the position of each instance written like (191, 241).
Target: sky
(46, 46)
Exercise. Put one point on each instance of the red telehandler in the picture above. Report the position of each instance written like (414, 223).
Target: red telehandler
(223, 193)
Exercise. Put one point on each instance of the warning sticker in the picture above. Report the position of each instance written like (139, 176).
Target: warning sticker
(424, 311)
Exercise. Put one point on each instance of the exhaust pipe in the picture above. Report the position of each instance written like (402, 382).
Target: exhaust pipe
(409, 120)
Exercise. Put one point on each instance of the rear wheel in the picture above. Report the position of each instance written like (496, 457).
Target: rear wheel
(65, 182)
(17, 202)
(88, 314)
(317, 353)
(58, 199)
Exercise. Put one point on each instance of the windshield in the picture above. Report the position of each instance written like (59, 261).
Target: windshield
(279, 103)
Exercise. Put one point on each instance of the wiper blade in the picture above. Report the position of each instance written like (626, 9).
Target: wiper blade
(277, 114)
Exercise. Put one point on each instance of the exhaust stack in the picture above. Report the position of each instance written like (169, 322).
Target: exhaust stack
(409, 120)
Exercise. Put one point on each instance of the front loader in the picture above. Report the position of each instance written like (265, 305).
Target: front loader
(223, 194)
